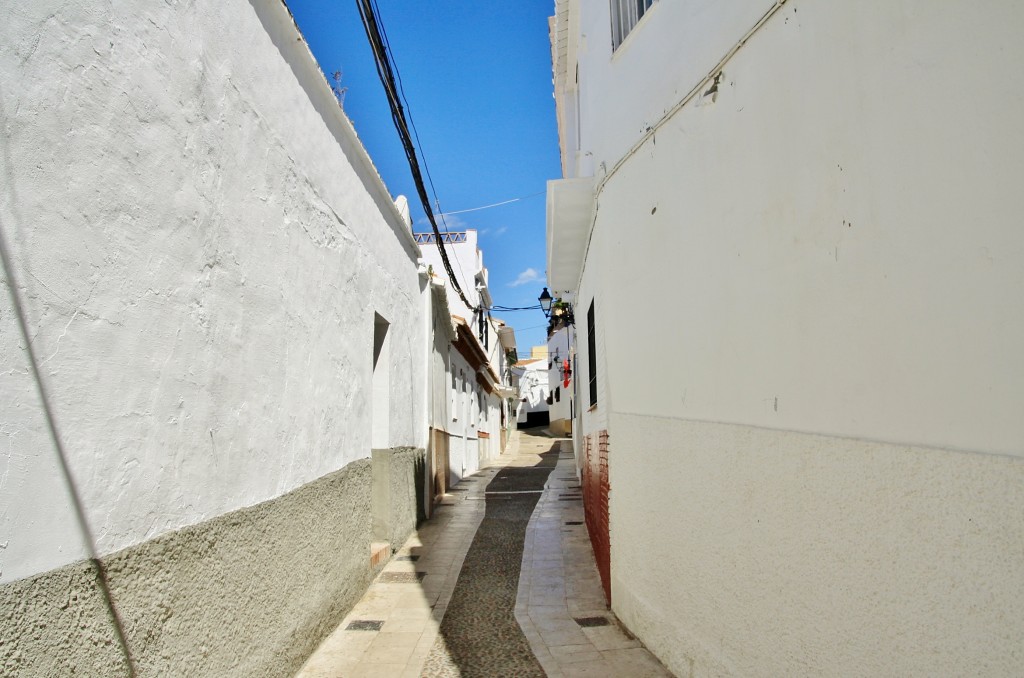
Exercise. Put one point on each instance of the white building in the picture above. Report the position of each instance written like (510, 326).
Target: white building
(561, 383)
(228, 315)
(533, 391)
(473, 366)
(807, 214)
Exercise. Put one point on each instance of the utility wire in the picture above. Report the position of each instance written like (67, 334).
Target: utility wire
(386, 71)
(505, 309)
(415, 132)
(102, 580)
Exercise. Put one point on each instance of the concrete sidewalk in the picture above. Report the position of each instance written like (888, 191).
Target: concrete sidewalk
(397, 625)
(561, 605)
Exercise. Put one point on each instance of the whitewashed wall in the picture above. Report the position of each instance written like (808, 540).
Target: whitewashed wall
(846, 251)
(202, 245)
(561, 343)
(825, 262)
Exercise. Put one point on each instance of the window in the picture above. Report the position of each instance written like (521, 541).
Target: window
(625, 15)
(472, 416)
(592, 354)
(455, 395)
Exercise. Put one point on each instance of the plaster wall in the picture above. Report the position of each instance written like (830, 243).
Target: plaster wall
(597, 288)
(561, 343)
(201, 243)
(459, 424)
(823, 254)
(466, 261)
(441, 359)
(248, 593)
(744, 551)
(822, 477)
(621, 94)
(398, 487)
(533, 386)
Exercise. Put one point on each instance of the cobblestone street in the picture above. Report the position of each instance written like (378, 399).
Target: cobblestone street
(500, 582)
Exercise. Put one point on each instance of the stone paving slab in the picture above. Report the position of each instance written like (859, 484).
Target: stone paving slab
(559, 583)
(479, 637)
(408, 598)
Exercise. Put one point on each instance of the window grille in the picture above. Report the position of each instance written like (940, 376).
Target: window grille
(625, 15)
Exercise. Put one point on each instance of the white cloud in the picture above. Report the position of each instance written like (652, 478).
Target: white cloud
(527, 276)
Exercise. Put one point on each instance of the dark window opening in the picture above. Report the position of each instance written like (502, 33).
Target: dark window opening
(592, 354)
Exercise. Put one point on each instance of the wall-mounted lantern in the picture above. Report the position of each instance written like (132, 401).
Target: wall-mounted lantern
(545, 302)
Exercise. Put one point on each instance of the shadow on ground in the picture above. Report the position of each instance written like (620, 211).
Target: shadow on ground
(479, 635)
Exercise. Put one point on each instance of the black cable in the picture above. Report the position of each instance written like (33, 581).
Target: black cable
(506, 309)
(386, 73)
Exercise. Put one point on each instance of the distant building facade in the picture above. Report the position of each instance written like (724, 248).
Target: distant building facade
(476, 377)
(533, 390)
(561, 382)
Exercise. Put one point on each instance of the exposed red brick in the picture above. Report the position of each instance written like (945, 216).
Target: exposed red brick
(595, 502)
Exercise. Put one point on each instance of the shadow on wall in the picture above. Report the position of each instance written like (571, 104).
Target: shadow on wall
(248, 593)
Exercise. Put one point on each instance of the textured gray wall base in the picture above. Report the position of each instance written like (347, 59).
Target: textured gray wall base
(250, 593)
(56, 624)
(398, 489)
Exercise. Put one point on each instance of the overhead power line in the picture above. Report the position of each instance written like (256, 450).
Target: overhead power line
(386, 70)
(504, 309)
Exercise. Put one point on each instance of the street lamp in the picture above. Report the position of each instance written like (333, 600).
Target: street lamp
(545, 302)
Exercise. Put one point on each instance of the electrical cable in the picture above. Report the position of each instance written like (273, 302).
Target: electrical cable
(505, 309)
(386, 72)
(102, 580)
(415, 133)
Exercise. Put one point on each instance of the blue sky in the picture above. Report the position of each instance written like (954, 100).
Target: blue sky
(477, 77)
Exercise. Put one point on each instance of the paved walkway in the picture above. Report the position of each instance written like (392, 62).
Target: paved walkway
(561, 605)
(453, 602)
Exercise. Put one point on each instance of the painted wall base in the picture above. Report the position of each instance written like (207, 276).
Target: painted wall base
(250, 593)
(398, 493)
(741, 551)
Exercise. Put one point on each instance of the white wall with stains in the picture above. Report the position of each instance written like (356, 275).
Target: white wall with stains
(821, 266)
(201, 244)
(828, 226)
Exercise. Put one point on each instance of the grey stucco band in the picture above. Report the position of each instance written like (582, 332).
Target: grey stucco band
(249, 593)
(398, 488)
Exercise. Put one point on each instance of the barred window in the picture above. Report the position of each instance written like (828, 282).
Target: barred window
(625, 15)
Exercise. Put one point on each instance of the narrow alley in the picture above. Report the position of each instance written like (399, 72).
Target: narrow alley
(611, 338)
(500, 582)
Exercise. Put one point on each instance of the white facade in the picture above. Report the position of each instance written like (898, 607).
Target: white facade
(193, 254)
(561, 383)
(532, 377)
(820, 255)
(477, 367)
